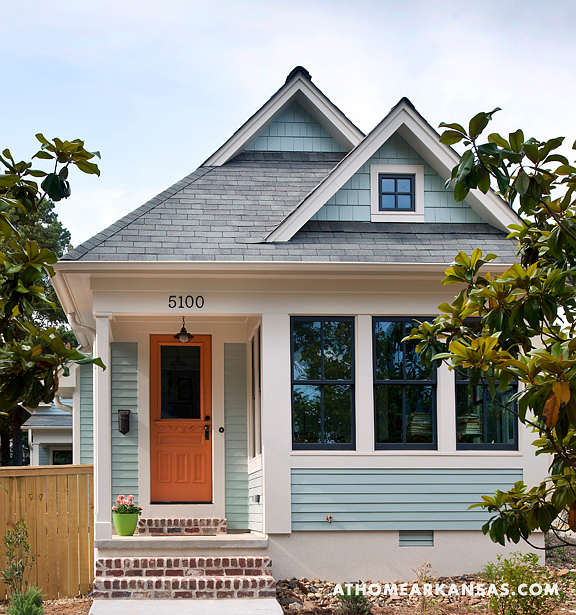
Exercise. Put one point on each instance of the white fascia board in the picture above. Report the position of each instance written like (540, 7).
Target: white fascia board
(349, 134)
(404, 120)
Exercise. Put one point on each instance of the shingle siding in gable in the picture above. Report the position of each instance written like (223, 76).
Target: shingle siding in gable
(294, 130)
(352, 201)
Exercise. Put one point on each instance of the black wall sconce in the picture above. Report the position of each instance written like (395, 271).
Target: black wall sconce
(124, 421)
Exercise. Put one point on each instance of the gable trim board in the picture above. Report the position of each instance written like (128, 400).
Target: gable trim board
(411, 126)
(299, 88)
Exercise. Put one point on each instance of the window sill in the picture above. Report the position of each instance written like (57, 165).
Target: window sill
(392, 216)
(407, 453)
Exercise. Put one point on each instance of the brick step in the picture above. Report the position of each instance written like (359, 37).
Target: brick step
(204, 587)
(199, 526)
(182, 566)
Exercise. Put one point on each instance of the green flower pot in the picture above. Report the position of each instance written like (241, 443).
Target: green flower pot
(125, 524)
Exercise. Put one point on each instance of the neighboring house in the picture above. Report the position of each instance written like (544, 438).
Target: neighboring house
(298, 254)
(49, 432)
(50, 429)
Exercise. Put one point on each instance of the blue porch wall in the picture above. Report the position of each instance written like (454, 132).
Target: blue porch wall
(294, 130)
(394, 499)
(236, 435)
(352, 201)
(86, 414)
(124, 375)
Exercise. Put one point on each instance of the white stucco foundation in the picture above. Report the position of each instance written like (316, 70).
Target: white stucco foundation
(350, 556)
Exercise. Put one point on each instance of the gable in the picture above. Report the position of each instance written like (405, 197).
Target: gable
(294, 130)
(352, 201)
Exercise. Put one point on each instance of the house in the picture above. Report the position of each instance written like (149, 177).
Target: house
(49, 429)
(251, 317)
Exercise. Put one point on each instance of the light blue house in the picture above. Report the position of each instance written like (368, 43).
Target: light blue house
(259, 400)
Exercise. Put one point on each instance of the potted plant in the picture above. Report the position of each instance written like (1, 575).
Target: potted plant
(125, 515)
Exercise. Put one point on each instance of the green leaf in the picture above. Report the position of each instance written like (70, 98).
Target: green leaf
(449, 137)
(461, 191)
(43, 155)
(453, 126)
(477, 124)
(494, 137)
(88, 167)
(516, 140)
(42, 138)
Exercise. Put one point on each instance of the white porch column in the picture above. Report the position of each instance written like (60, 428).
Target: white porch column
(446, 409)
(364, 385)
(102, 433)
(276, 422)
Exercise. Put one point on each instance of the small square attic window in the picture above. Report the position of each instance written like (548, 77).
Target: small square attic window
(396, 193)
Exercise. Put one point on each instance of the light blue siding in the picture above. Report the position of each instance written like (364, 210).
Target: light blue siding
(416, 538)
(86, 414)
(124, 375)
(352, 201)
(394, 499)
(255, 521)
(44, 455)
(236, 436)
(294, 130)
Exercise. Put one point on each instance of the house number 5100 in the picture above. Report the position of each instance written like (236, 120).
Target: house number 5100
(180, 302)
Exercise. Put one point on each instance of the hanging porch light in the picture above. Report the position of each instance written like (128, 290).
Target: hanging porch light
(183, 336)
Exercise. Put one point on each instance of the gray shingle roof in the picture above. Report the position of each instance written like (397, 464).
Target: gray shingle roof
(50, 417)
(224, 213)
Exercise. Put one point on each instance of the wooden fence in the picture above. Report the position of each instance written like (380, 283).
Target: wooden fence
(56, 502)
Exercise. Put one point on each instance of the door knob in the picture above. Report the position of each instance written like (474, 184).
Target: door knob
(206, 432)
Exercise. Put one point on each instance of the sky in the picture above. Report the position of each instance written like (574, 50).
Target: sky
(157, 87)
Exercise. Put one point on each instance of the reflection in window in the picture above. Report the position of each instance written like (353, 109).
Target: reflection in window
(404, 389)
(180, 377)
(484, 420)
(323, 382)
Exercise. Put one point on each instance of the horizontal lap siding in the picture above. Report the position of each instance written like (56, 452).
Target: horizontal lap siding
(236, 436)
(124, 360)
(86, 414)
(255, 521)
(394, 499)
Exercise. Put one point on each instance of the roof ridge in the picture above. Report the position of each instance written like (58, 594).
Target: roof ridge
(140, 211)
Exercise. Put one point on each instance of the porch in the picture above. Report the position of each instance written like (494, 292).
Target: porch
(184, 434)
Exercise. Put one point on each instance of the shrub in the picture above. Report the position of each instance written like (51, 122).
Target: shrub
(515, 570)
(18, 557)
(353, 602)
(29, 603)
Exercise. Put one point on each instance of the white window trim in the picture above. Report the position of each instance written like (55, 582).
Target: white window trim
(392, 216)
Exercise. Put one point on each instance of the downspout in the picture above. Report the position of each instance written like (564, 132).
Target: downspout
(87, 340)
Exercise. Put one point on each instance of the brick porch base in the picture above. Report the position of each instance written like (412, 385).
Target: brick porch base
(185, 527)
(184, 577)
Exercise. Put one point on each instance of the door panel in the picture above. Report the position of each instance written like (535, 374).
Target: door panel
(180, 420)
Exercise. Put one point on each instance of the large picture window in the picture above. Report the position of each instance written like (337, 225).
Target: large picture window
(483, 420)
(404, 389)
(322, 382)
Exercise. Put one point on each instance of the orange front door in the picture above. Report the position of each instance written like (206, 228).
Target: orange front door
(180, 420)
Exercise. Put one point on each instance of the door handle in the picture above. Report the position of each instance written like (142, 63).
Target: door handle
(206, 432)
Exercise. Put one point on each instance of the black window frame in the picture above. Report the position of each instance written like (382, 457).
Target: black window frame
(395, 193)
(383, 446)
(486, 398)
(321, 446)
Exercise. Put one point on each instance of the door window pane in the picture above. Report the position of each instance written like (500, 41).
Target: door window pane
(180, 377)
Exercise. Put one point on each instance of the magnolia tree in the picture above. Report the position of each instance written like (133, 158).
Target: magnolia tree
(519, 326)
(32, 352)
